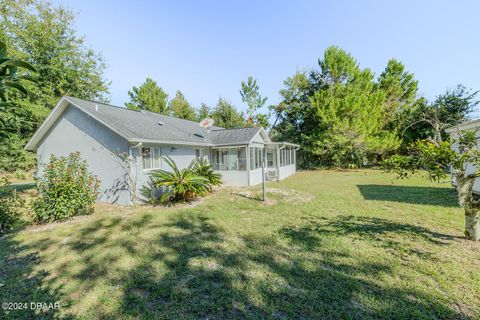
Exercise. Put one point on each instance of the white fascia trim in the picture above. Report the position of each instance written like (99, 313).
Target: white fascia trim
(170, 142)
(265, 136)
(46, 124)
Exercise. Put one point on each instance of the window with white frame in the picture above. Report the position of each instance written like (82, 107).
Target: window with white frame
(151, 158)
(200, 154)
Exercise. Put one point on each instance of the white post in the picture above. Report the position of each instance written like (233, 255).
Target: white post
(264, 162)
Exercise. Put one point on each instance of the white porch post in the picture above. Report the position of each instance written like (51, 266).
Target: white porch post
(248, 164)
(295, 157)
(277, 152)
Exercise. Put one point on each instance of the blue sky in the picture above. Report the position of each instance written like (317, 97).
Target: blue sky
(206, 48)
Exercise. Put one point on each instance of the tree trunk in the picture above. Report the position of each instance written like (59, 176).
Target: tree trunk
(472, 224)
(465, 197)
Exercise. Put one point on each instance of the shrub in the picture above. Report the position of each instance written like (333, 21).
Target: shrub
(66, 189)
(10, 206)
(150, 193)
(179, 185)
(203, 168)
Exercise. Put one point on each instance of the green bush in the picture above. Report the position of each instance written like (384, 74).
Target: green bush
(66, 189)
(179, 185)
(203, 168)
(150, 193)
(10, 206)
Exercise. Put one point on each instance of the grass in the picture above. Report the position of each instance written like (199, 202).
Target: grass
(348, 245)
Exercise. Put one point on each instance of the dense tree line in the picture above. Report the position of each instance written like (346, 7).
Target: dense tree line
(344, 116)
(43, 35)
(341, 114)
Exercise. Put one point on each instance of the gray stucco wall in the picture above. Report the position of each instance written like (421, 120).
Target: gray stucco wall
(182, 155)
(76, 131)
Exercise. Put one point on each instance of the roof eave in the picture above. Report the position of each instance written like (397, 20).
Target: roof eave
(56, 112)
(475, 123)
(172, 142)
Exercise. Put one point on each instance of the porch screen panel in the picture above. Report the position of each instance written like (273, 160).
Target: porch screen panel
(224, 160)
(270, 158)
(232, 163)
(242, 159)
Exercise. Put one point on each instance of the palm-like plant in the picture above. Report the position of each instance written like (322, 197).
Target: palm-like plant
(180, 185)
(202, 168)
(9, 78)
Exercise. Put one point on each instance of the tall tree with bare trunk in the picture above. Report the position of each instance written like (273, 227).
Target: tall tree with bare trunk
(461, 158)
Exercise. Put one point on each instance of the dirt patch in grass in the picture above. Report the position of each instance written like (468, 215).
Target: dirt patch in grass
(274, 195)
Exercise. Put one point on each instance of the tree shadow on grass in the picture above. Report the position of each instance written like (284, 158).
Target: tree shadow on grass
(22, 283)
(261, 277)
(190, 268)
(384, 233)
(445, 197)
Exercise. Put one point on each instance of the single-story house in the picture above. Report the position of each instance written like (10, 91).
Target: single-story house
(472, 125)
(104, 134)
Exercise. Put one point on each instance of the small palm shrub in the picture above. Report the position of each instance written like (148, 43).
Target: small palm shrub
(179, 185)
(11, 205)
(203, 168)
(66, 189)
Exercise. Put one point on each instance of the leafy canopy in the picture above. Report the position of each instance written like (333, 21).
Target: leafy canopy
(340, 114)
(44, 35)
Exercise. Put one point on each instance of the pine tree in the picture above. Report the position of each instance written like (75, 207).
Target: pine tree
(148, 96)
(180, 107)
(226, 115)
(203, 112)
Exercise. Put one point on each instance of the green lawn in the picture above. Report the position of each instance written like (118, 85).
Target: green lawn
(347, 245)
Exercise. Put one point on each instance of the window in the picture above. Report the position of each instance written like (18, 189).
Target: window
(151, 158)
(200, 154)
(230, 159)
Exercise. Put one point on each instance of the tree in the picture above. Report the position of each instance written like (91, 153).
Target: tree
(448, 109)
(401, 94)
(226, 115)
(203, 112)
(250, 93)
(180, 107)
(44, 36)
(148, 96)
(438, 158)
(340, 114)
(349, 112)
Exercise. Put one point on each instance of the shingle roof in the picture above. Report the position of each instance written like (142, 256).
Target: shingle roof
(146, 125)
(233, 136)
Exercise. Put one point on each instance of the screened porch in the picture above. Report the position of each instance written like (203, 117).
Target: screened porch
(242, 165)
